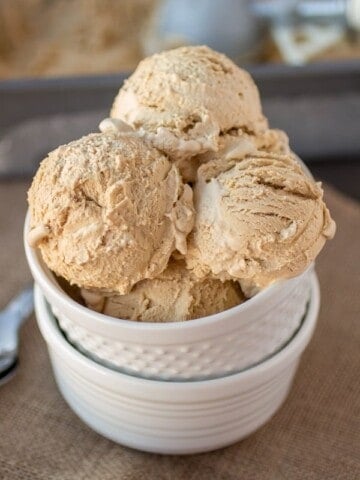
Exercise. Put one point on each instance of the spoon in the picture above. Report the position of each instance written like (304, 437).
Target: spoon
(11, 318)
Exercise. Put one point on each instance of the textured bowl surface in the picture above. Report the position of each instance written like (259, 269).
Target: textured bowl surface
(205, 348)
(173, 417)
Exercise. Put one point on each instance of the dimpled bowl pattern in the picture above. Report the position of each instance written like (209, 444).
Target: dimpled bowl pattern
(208, 347)
(245, 343)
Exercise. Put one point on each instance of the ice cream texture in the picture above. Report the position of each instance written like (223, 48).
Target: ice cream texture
(107, 211)
(258, 220)
(114, 213)
(175, 295)
(188, 100)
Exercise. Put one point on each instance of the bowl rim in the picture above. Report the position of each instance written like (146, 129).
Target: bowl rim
(45, 278)
(292, 349)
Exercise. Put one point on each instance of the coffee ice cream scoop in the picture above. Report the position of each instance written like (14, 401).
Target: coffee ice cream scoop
(258, 220)
(184, 100)
(108, 211)
(175, 295)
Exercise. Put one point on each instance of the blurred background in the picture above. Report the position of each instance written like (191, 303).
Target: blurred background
(77, 37)
(62, 62)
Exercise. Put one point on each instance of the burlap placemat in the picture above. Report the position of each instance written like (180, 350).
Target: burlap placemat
(315, 435)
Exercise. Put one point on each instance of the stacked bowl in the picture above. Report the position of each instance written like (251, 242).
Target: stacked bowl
(179, 387)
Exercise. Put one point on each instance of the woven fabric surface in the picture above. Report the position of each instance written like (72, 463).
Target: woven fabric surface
(315, 435)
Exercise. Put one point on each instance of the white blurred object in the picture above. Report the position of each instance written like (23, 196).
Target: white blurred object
(299, 43)
(341, 11)
(353, 14)
(229, 26)
(303, 29)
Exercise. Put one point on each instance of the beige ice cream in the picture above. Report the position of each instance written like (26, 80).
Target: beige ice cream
(185, 101)
(175, 295)
(238, 145)
(258, 220)
(107, 211)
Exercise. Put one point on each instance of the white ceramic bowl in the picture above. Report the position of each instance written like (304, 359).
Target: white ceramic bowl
(173, 417)
(209, 347)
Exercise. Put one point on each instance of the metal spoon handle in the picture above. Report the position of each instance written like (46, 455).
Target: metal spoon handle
(10, 320)
(20, 307)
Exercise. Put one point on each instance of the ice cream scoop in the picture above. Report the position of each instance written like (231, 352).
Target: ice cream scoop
(108, 211)
(185, 100)
(175, 295)
(258, 220)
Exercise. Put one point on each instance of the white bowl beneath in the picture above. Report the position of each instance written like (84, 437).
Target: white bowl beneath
(173, 417)
(205, 348)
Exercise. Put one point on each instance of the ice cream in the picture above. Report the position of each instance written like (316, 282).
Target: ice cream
(107, 211)
(186, 101)
(258, 220)
(113, 213)
(237, 142)
(238, 145)
(175, 295)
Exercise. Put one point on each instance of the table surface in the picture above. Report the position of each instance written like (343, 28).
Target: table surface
(315, 435)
